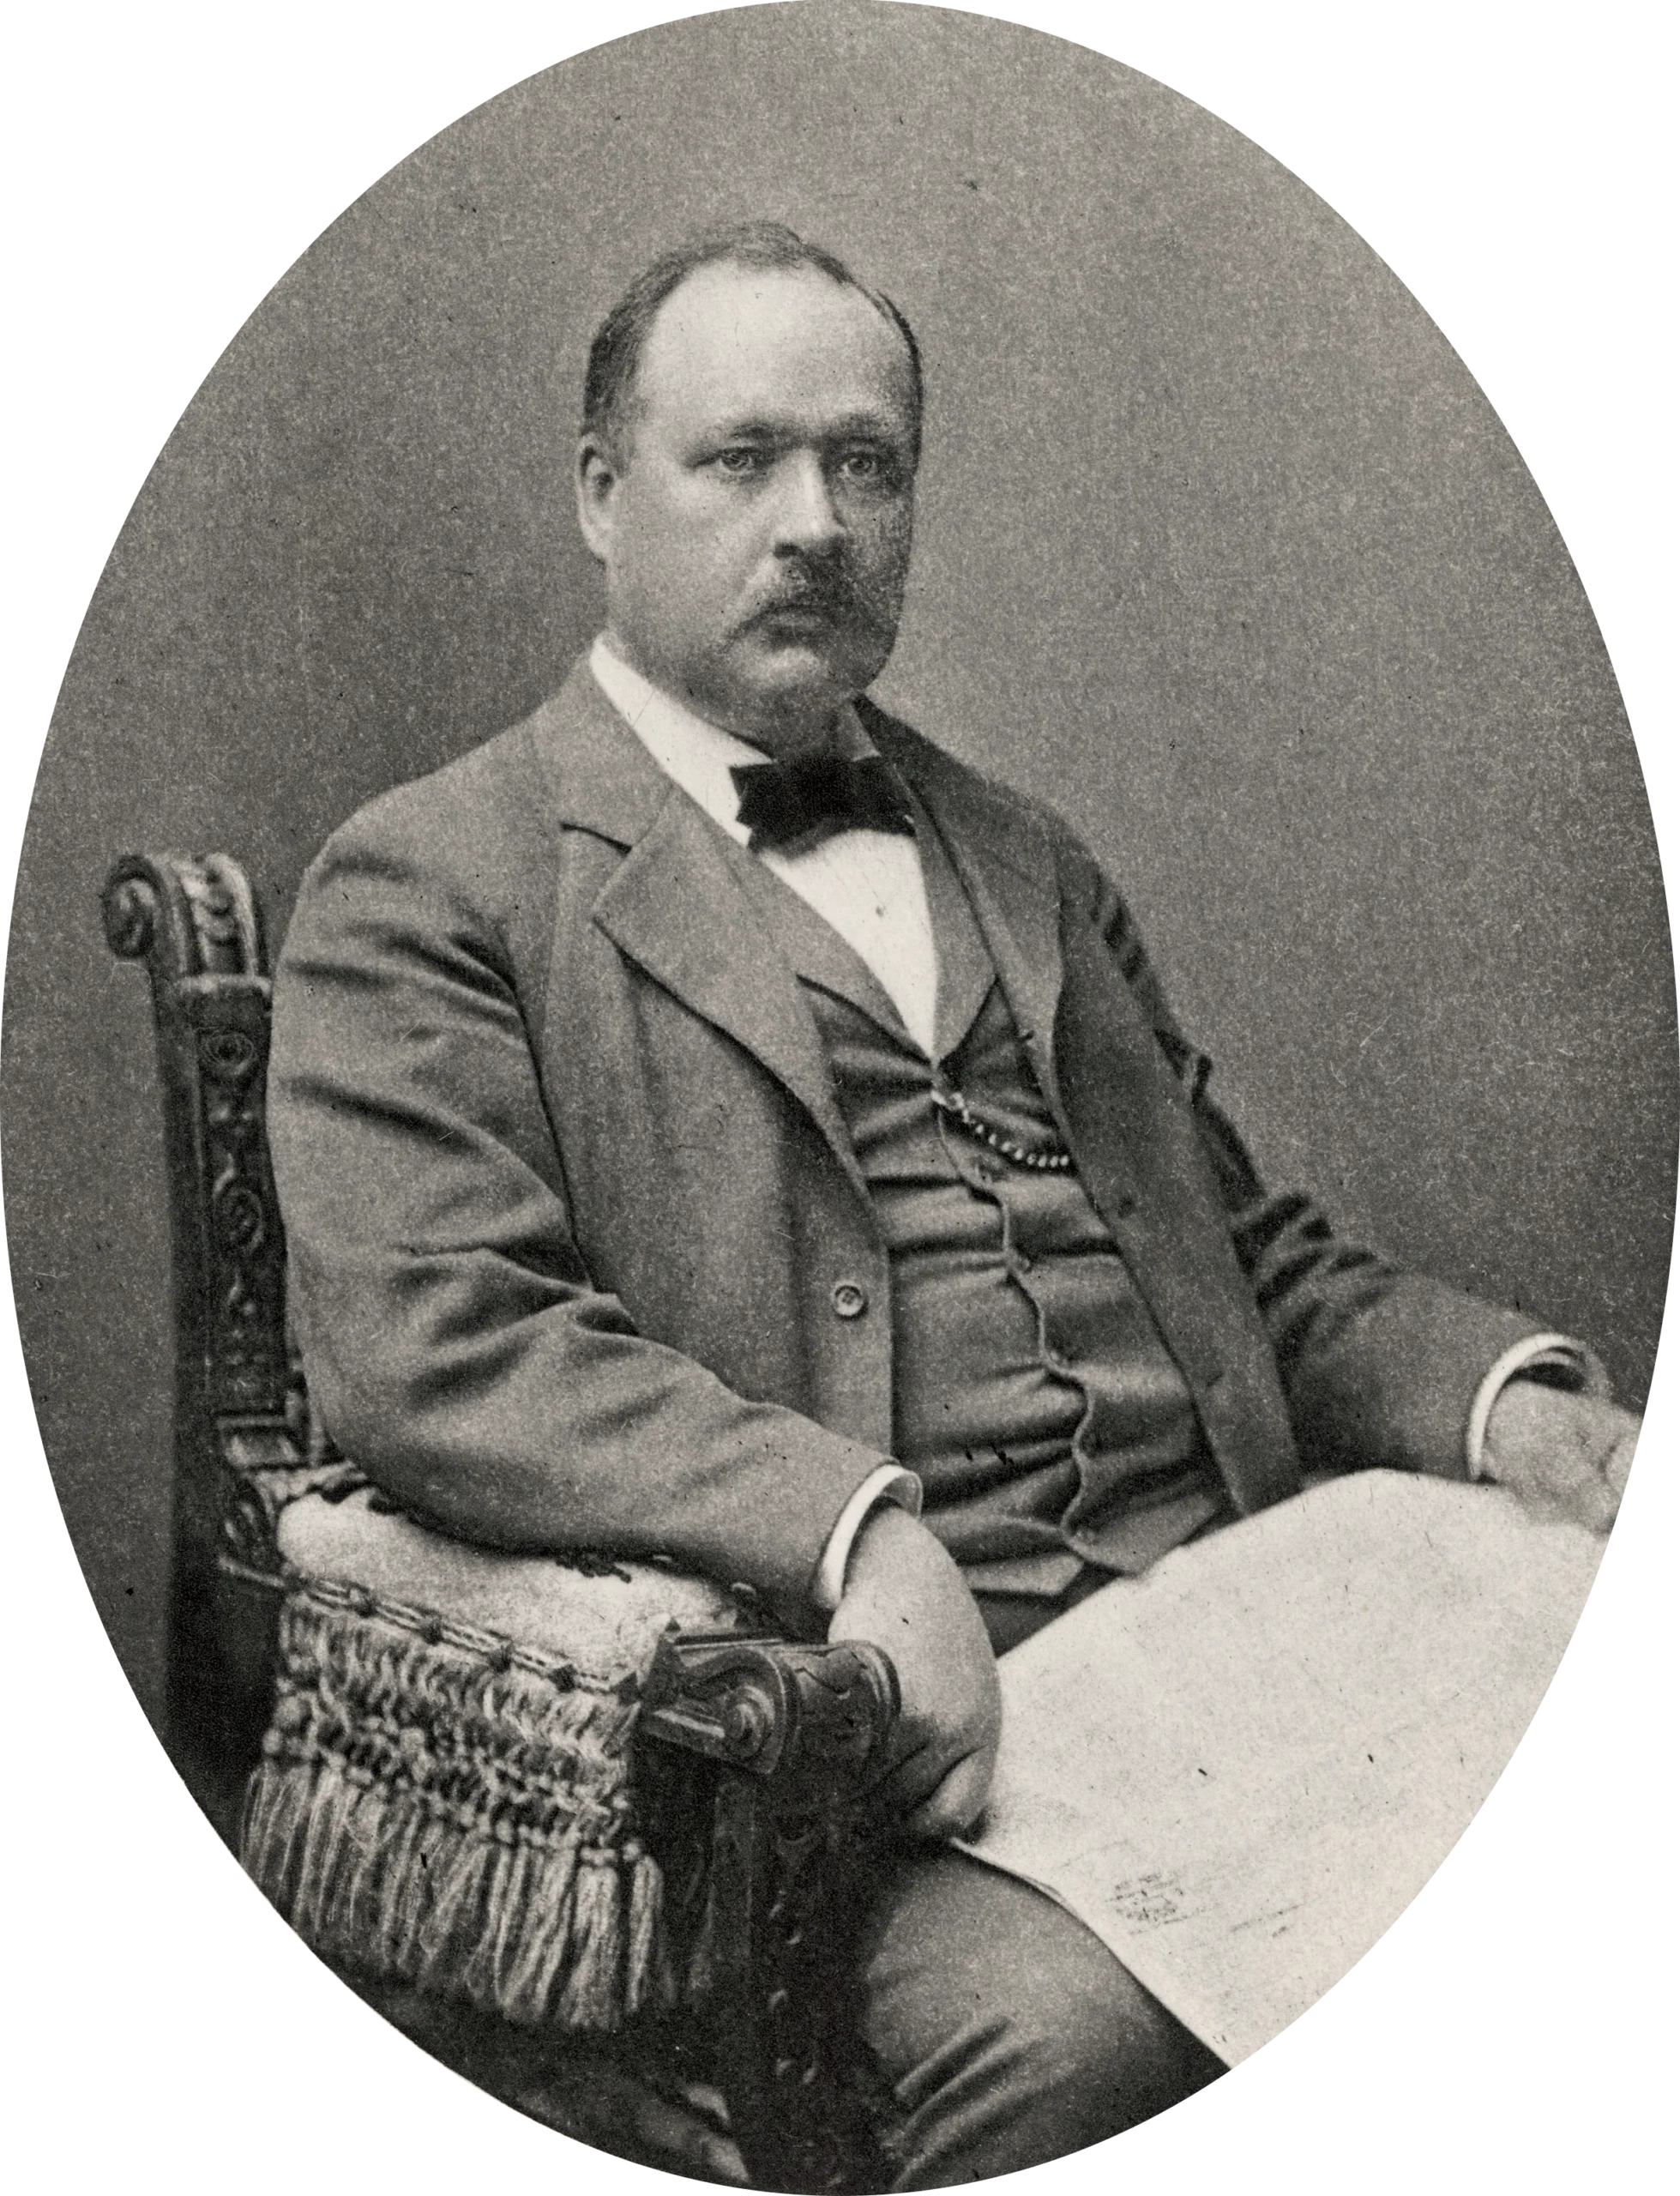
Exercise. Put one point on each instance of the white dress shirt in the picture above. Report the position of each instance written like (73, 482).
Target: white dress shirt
(868, 886)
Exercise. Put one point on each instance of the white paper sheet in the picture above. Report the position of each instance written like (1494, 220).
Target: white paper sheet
(1240, 1769)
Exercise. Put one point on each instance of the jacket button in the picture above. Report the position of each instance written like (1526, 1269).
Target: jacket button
(850, 1299)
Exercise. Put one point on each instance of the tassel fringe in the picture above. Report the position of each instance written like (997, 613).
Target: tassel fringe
(439, 1816)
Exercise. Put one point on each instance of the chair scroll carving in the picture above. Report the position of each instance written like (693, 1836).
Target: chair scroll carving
(193, 921)
(766, 1743)
(195, 924)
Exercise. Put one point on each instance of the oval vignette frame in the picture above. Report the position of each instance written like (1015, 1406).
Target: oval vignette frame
(91, 1569)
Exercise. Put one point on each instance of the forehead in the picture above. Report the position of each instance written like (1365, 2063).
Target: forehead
(778, 345)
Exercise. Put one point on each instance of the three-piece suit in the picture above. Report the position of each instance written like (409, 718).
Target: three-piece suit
(595, 1205)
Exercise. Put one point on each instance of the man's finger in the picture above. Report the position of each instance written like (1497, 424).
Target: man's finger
(1620, 1462)
(1594, 1502)
(931, 1796)
(957, 1805)
(909, 1781)
(916, 1744)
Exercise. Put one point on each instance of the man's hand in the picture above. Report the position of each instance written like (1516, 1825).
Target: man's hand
(903, 1593)
(1567, 1456)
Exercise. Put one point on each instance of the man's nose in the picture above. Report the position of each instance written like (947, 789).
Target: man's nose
(807, 514)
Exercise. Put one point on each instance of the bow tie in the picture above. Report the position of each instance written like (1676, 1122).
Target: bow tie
(794, 806)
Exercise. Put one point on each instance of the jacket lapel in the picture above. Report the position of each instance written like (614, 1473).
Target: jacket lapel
(968, 973)
(816, 953)
(1007, 866)
(676, 904)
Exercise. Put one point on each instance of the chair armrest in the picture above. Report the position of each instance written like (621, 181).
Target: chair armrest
(461, 1789)
(794, 1730)
(811, 1717)
(807, 1716)
(598, 1615)
(439, 1704)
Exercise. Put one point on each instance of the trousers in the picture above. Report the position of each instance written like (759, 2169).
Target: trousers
(1005, 2032)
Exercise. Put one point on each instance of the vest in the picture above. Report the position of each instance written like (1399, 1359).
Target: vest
(1032, 1394)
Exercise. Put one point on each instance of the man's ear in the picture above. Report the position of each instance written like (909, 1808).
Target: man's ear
(599, 473)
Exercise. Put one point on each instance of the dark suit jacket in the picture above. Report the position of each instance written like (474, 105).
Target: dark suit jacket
(570, 1204)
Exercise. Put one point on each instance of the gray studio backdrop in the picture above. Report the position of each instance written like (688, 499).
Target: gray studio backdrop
(1220, 550)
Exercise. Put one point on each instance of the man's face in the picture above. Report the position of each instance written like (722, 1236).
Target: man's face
(756, 533)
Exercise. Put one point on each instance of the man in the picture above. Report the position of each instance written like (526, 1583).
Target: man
(712, 1122)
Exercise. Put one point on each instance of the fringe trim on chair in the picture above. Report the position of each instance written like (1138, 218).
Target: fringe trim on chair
(436, 1807)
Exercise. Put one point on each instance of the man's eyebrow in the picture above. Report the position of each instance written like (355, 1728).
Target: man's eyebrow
(767, 427)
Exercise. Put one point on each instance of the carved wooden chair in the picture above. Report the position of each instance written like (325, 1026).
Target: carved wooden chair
(543, 1813)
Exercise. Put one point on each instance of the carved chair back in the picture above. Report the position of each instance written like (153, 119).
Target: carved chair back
(242, 1435)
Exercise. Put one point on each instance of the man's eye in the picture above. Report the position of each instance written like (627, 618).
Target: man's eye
(742, 461)
(864, 464)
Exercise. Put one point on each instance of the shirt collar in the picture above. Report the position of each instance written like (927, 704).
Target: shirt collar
(699, 756)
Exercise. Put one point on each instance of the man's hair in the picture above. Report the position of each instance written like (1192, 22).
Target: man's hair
(609, 381)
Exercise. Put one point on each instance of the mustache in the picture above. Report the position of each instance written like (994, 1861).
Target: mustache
(829, 589)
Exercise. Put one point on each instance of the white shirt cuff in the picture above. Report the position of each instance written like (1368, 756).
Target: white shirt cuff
(1533, 1353)
(887, 1483)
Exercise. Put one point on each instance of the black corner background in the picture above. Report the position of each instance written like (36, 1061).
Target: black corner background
(165, 183)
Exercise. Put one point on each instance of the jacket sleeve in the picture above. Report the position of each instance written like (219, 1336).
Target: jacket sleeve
(453, 1338)
(1380, 1367)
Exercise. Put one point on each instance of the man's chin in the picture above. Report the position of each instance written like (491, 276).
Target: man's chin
(796, 679)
